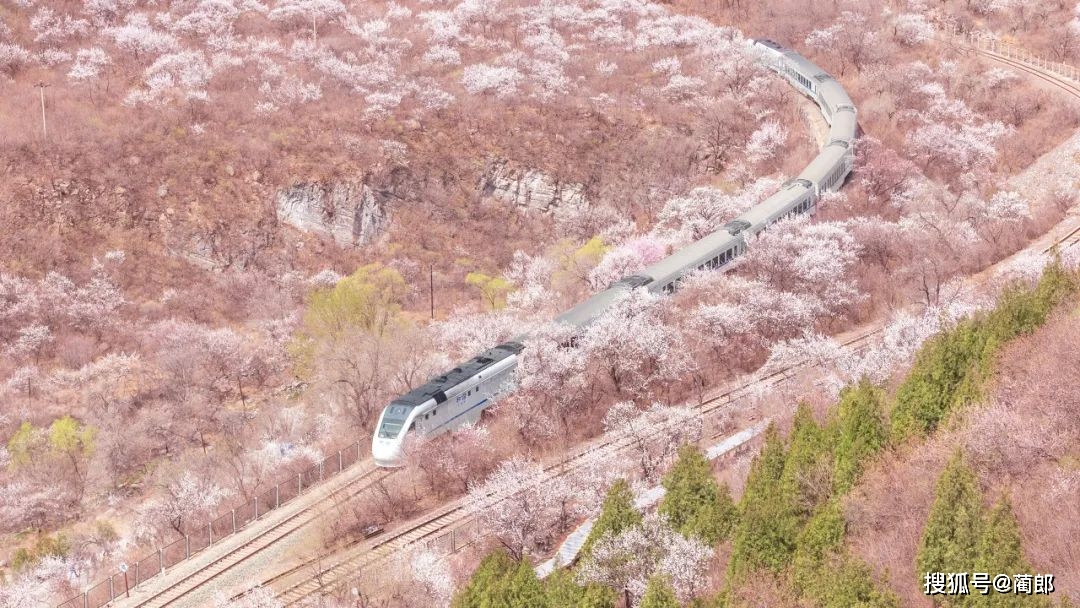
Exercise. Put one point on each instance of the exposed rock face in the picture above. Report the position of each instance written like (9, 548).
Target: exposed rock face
(529, 188)
(350, 213)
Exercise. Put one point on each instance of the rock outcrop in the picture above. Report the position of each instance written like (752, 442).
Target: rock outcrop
(349, 213)
(529, 188)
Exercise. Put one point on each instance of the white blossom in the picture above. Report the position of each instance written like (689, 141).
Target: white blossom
(766, 141)
(433, 576)
(499, 81)
(628, 560)
(912, 29)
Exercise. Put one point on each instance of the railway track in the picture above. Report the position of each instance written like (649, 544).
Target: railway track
(1066, 242)
(282, 523)
(320, 574)
(1058, 81)
(1070, 87)
(359, 556)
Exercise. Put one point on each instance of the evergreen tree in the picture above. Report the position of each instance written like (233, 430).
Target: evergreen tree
(659, 594)
(720, 600)
(807, 476)
(768, 521)
(726, 514)
(927, 394)
(563, 592)
(617, 514)
(826, 573)
(999, 552)
(524, 589)
(846, 582)
(500, 582)
(488, 582)
(861, 432)
(951, 369)
(823, 535)
(950, 539)
(694, 503)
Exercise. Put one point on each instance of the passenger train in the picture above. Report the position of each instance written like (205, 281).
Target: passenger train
(460, 395)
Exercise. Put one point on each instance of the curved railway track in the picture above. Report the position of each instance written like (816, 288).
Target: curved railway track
(319, 574)
(1066, 85)
(1070, 87)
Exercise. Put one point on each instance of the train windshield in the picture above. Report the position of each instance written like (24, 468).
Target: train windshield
(393, 420)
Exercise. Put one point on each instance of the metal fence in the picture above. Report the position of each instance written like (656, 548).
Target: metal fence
(227, 523)
(456, 539)
(990, 43)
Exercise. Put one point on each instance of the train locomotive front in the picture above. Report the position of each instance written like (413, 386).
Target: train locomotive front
(448, 401)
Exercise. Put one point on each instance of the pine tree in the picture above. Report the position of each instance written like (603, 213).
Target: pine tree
(950, 539)
(617, 514)
(720, 600)
(563, 592)
(488, 582)
(999, 552)
(524, 589)
(726, 514)
(826, 573)
(500, 582)
(951, 369)
(846, 582)
(823, 534)
(807, 477)
(768, 521)
(693, 503)
(659, 594)
(861, 432)
(927, 395)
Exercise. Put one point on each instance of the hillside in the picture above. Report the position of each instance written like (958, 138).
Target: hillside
(235, 230)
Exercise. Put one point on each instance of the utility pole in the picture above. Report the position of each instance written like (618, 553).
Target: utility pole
(431, 287)
(44, 130)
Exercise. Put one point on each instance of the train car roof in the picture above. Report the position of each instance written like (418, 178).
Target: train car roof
(761, 213)
(844, 125)
(586, 312)
(824, 162)
(433, 389)
(833, 94)
(691, 255)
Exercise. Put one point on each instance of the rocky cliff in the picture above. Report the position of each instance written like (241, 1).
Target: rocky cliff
(529, 188)
(349, 213)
